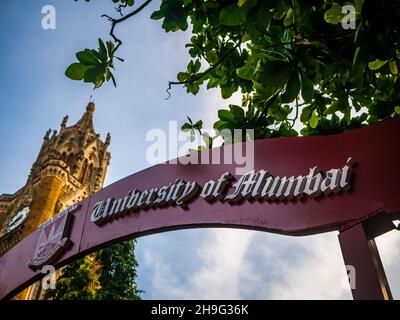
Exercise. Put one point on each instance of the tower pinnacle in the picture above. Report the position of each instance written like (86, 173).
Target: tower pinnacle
(86, 121)
(90, 107)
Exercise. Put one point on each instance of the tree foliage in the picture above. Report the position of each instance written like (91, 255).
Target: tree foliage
(109, 274)
(117, 273)
(288, 58)
(77, 282)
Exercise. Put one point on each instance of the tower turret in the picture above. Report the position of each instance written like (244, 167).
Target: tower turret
(71, 165)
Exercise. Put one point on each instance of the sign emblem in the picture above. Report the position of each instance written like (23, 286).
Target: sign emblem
(53, 238)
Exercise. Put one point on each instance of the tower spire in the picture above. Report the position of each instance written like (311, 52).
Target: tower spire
(86, 121)
(64, 122)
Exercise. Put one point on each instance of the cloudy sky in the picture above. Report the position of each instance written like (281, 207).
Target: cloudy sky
(201, 263)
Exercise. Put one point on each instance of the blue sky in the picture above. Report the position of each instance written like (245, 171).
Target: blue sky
(207, 263)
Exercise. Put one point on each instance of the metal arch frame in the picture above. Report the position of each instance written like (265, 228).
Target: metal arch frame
(360, 215)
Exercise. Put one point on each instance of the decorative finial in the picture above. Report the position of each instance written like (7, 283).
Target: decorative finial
(47, 135)
(64, 122)
(90, 107)
(108, 139)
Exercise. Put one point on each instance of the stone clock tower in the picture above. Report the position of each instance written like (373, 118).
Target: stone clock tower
(71, 165)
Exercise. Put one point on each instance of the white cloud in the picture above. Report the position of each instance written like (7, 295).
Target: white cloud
(241, 264)
(219, 263)
(318, 273)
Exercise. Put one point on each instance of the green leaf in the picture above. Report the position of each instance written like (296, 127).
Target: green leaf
(247, 71)
(87, 57)
(227, 90)
(213, 82)
(193, 88)
(280, 10)
(264, 17)
(94, 74)
(194, 66)
(273, 73)
(307, 88)
(237, 111)
(175, 14)
(397, 109)
(334, 15)
(233, 15)
(393, 67)
(182, 76)
(225, 115)
(110, 49)
(292, 88)
(313, 121)
(306, 114)
(219, 125)
(289, 18)
(198, 125)
(157, 15)
(376, 64)
(279, 113)
(212, 57)
(332, 108)
(76, 71)
(102, 51)
(186, 127)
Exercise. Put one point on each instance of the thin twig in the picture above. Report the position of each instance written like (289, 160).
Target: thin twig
(201, 74)
(120, 8)
(114, 22)
(268, 103)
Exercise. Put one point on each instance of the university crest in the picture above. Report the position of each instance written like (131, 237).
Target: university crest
(53, 238)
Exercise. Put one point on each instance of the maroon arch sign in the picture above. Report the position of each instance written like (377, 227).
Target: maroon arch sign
(299, 186)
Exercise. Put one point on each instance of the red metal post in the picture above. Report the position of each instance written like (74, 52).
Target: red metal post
(361, 252)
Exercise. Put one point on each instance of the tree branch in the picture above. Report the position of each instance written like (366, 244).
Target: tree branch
(266, 106)
(114, 22)
(297, 114)
(201, 74)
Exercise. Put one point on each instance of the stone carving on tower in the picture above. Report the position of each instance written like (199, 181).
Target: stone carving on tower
(71, 165)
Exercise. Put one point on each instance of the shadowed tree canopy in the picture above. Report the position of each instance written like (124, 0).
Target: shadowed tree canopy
(333, 65)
